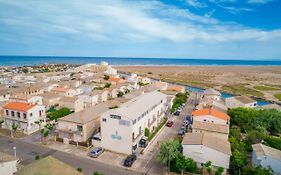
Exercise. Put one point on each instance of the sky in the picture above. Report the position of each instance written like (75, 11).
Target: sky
(210, 29)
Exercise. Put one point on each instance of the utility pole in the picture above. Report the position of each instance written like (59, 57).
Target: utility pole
(15, 151)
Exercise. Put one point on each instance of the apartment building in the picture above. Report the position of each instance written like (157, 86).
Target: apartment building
(123, 127)
(24, 115)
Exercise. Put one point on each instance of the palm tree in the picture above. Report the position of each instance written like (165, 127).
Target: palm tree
(14, 129)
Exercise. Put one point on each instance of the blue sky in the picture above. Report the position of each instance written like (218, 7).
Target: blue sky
(220, 29)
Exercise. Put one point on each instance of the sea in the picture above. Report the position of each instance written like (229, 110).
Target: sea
(116, 61)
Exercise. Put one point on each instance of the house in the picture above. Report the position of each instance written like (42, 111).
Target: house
(8, 164)
(240, 101)
(64, 91)
(210, 115)
(202, 147)
(48, 166)
(162, 86)
(112, 92)
(89, 99)
(79, 126)
(24, 115)
(176, 88)
(266, 157)
(73, 103)
(213, 94)
(116, 80)
(27, 99)
(218, 130)
(123, 127)
(4, 95)
(27, 90)
(50, 99)
(144, 80)
(103, 95)
(211, 103)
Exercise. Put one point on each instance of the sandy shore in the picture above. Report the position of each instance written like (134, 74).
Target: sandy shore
(235, 79)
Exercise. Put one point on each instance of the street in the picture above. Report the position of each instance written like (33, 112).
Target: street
(27, 151)
(151, 165)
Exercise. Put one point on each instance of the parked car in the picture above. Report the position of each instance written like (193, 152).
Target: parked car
(181, 133)
(184, 128)
(96, 152)
(130, 160)
(169, 123)
(177, 113)
(143, 142)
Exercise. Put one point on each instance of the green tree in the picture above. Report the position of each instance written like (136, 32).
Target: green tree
(97, 173)
(1, 123)
(107, 85)
(146, 132)
(37, 157)
(219, 171)
(238, 160)
(208, 166)
(14, 129)
(169, 150)
(182, 164)
(79, 169)
(106, 77)
(59, 113)
(120, 94)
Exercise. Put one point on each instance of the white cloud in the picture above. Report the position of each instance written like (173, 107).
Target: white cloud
(259, 1)
(196, 3)
(111, 23)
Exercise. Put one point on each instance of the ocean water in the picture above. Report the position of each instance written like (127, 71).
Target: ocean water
(35, 60)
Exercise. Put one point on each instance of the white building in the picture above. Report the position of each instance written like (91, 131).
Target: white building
(204, 147)
(24, 115)
(266, 157)
(212, 94)
(8, 164)
(211, 116)
(123, 127)
(240, 101)
(219, 130)
(27, 99)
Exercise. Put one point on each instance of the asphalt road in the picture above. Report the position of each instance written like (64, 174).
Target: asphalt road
(27, 151)
(154, 167)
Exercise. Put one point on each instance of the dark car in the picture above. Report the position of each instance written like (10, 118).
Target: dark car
(177, 113)
(130, 160)
(181, 133)
(143, 142)
(169, 123)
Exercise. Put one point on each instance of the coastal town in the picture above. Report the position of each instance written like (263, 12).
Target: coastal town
(94, 119)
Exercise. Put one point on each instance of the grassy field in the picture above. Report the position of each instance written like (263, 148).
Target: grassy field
(242, 90)
(265, 88)
(278, 96)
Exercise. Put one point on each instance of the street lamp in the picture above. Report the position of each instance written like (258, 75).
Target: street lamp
(15, 151)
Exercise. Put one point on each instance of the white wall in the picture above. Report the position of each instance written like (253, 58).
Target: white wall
(8, 168)
(210, 119)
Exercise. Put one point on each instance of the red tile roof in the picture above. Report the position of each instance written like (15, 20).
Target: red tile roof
(18, 106)
(211, 112)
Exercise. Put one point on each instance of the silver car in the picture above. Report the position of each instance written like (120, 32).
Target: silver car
(96, 152)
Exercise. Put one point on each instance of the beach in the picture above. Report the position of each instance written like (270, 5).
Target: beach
(258, 81)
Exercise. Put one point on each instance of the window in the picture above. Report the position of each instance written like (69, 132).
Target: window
(30, 114)
(18, 114)
(40, 113)
(80, 128)
(133, 136)
(115, 117)
(124, 122)
(104, 119)
(7, 112)
(13, 113)
(24, 115)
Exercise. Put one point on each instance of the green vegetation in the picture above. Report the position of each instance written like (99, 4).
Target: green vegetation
(146, 132)
(97, 173)
(25, 70)
(149, 72)
(255, 126)
(98, 88)
(142, 84)
(265, 88)
(107, 85)
(106, 77)
(113, 107)
(37, 157)
(161, 124)
(14, 129)
(120, 94)
(1, 122)
(179, 99)
(79, 169)
(59, 113)
(170, 155)
(278, 96)
(242, 90)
